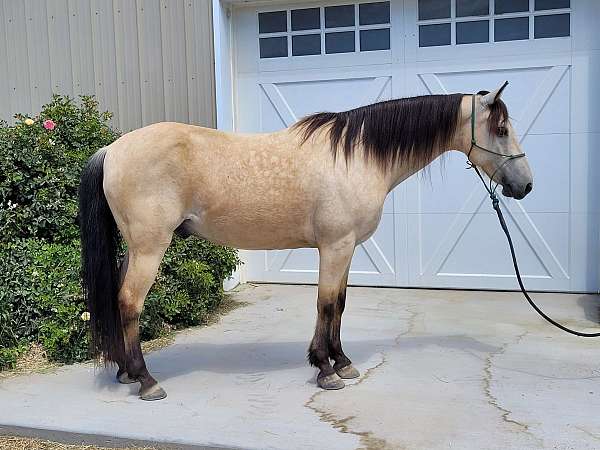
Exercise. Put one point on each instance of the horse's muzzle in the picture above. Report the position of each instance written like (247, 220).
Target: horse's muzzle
(516, 192)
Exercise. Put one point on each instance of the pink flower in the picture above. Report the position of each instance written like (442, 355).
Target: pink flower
(49, 124)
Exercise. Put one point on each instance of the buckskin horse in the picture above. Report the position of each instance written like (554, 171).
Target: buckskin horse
(320, 183)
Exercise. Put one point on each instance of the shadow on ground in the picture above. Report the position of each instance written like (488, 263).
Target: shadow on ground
(251, 358)
(591, 307)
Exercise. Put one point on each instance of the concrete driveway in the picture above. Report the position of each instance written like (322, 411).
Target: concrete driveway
(440, 370)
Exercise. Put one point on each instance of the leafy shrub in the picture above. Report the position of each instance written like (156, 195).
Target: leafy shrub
(40, 168)
(40, 294)
(41, 298)
(188, 287)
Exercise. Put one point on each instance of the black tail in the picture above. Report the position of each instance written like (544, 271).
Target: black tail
(99, 252)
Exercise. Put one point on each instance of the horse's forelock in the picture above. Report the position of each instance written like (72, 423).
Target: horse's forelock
(498, 114)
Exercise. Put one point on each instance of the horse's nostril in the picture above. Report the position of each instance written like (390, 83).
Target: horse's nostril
(528, 188)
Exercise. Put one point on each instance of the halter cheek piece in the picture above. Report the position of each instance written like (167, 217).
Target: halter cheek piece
(474, 144)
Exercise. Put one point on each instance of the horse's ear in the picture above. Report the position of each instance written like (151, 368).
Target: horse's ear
(489, 99)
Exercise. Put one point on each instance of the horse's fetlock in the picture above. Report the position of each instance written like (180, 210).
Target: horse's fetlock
(317, 356)
(136, 367)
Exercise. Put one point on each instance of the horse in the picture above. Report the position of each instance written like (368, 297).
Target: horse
(320, 183)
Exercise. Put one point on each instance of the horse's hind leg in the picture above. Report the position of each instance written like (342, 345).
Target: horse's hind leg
(334, 261)
(141, 272)
(122, 375)
(343, 366)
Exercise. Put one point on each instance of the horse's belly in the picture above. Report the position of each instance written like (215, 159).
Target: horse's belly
(252, 233)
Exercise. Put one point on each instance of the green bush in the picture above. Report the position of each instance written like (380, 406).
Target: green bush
(40, 168)
(188, 287)
(40, 294)
(41, 300)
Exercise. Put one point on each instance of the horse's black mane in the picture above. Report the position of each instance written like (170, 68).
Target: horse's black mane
(406, 130)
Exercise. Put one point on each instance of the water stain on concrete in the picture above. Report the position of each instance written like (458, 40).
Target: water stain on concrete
(368, 440)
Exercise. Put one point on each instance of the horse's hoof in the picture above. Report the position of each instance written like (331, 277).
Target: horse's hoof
(348, 372)
(330, 382)
(154, 392)
(123, 378)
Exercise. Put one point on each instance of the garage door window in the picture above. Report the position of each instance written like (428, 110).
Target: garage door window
(324, 30)
(460, 22)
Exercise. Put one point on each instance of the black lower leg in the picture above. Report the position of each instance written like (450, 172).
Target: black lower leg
(135, 364)
(122, 369)
(122, 360)
(335, 343)
(318, 352)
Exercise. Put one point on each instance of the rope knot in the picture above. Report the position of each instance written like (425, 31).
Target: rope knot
(495, 201)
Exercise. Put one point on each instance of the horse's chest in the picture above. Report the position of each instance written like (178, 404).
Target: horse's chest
(366, 222)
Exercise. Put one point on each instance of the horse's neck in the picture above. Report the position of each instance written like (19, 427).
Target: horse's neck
(403, 170)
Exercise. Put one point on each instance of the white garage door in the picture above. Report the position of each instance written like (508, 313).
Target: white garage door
(438, 229)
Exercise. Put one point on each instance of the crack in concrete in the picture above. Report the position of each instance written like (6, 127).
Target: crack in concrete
(493, 401)
(368, 440)
(533, 374)
(412, 318)
(589, 433)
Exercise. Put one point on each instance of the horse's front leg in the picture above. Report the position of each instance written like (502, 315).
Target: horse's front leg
(333, 266)
(343, 366)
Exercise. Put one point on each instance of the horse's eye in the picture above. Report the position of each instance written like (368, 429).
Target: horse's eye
(502, 131)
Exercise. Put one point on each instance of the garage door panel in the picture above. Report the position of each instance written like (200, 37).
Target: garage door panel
(528, 94)
(266, 266)
(541, 92)
(491, 258)
(444, 187)
(586, 107)
(298, 260)
(585, 258)
(549, 157)
(334, 95)
(461, 252)
(523, 81)
(554, 115)
(438, 228)
(272, 118)
(585, 180)
(388, 205)
(453, 257)
(283, 103)
(465, 238)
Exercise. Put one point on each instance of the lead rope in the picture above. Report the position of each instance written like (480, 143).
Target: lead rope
(496, 205)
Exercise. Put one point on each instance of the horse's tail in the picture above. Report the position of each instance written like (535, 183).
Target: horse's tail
(99, 252)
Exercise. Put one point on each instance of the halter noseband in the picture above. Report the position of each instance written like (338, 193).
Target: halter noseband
(475, 145)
